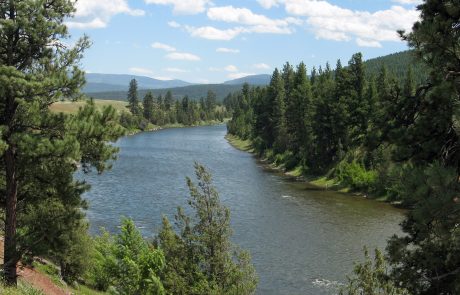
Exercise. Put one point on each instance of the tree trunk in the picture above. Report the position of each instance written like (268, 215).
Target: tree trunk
(10, 254)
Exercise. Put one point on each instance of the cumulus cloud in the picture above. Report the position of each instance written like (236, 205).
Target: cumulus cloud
(174, 24)
(141, 71)
(231, 68)
(261, 66)
(92, 14)
(256, 23)
(182, 56)
(212, 33)
(329, 21)
(368, 43)
(162, 46)
(183, 6)
(267, 4)
(227, 50)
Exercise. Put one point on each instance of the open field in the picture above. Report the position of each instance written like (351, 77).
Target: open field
(70, 107)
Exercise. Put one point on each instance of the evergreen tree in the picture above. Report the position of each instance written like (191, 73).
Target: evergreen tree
(40, 198)
(133, 100)
(148, 105)
(168, 101)
(207, 262)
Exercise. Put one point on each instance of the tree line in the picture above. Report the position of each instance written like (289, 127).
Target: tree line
(383, 135)
(162, 111)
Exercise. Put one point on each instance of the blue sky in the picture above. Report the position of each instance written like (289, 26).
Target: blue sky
(211, 41)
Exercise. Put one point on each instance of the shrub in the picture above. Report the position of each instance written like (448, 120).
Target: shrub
(356, 176)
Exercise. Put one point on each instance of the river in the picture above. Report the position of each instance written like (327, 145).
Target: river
(302, 241)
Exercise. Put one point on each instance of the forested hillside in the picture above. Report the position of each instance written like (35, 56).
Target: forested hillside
(194, 92)
(397, 64)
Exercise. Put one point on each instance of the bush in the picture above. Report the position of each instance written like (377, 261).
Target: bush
(126, 263)
(356, 176)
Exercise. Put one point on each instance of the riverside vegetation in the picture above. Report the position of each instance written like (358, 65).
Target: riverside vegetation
(378, 134)
(42, 208)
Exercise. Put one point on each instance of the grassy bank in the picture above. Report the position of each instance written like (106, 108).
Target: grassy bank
(325, 182)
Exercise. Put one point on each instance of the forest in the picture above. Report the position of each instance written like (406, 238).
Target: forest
(169, 112)
(391, 134)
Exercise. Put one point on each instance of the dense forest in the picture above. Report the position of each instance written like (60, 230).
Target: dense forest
(388, 135)
(168, 111)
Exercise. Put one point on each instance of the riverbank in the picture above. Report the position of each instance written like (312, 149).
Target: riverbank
(322, 182)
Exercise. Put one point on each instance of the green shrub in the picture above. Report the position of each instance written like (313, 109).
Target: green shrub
(356, 176)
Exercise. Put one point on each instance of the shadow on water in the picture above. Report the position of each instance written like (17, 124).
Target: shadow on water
(302, 241)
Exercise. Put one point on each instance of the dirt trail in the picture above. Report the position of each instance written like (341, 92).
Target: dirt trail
(36, 279)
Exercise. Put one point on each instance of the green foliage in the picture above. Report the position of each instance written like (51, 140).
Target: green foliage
(126, 263)
(200, 258)
(426, 259)
(372, 278)
(354, 175)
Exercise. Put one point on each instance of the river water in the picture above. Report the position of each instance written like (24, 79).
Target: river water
(302, 241)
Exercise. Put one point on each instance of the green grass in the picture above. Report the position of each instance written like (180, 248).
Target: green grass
(71, 107)
(243, 145)
(52, 272)
(22, 289)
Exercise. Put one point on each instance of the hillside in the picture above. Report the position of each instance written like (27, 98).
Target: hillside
(263, 79)
(114, 82)
(397, 64)
(193, 91)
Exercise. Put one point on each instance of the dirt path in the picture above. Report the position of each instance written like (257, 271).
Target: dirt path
(36, 279)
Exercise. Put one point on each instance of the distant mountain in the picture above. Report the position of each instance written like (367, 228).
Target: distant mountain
(114, 82)
(193, 91)
(262, 80)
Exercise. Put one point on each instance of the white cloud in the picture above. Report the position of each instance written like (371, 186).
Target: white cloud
(261, 66)
(227, 50)
(141, 71)
(329, 21)
(162, 46)
(231, 68)
(175, 70)
(183, 6)
(212, 33)
(367, 43)
(91, 14)
(267, 4)
(239, 75)
(257, 23)
(182, 56)
(96, 23)
(174, 24)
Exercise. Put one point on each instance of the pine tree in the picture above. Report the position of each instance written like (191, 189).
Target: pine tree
(133, 100)
(208, 260)
(148, 105)
(41, 199)
(168, 101)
